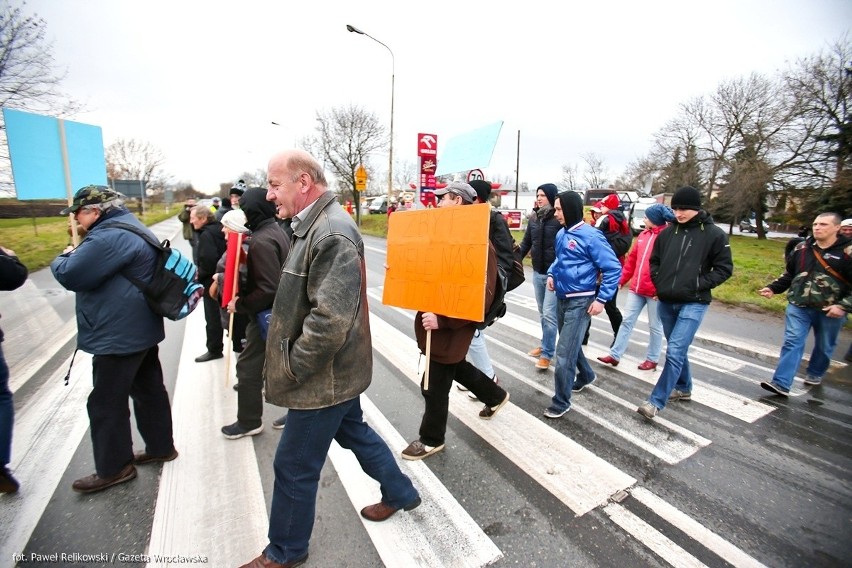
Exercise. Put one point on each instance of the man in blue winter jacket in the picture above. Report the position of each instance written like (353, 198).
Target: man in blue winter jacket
(115, 325)
(582, 253)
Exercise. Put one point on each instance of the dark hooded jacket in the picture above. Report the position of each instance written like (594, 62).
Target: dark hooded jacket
(210, 247)
(13, 274)
(267, 251)
(582, 253)
(690, 259)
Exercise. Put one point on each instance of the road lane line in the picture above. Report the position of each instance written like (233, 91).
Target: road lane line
(574, 475)
(47, 432)
(653, 539)
(211, 499)
(695, 530)
(29, 367)
(438, 533)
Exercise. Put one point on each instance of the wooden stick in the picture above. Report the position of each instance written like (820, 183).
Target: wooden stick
(428, 353)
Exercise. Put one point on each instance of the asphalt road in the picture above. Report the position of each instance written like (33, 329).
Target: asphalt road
(734, 477)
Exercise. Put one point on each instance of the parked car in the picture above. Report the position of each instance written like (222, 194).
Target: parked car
(750, 226)
(379, 205)
(637, 214)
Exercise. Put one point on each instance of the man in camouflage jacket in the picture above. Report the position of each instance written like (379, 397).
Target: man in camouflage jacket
(818, 280)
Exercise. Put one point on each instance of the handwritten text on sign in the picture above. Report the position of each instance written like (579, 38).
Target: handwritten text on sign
(437, 261)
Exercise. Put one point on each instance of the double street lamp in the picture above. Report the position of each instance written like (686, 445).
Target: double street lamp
(390, 150)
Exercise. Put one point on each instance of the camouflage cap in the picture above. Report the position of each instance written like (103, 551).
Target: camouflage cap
(90, 195)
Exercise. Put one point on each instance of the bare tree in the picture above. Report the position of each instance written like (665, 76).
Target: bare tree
(28, 78)
(346, 136)
(570, 179)
(135, 159)
(595, 175)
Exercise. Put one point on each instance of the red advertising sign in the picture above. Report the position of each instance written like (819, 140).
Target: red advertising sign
(427, 145)
(427, 150)
(513, 218)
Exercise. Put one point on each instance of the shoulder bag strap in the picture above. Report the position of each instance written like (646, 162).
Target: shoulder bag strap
(829, 269)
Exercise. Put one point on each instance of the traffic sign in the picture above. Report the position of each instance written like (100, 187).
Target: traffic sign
(475, 174)
(360, 179)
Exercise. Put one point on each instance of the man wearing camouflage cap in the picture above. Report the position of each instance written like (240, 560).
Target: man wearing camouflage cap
(115, 325)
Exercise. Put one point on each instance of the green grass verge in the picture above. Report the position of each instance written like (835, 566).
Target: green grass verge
(38, 241)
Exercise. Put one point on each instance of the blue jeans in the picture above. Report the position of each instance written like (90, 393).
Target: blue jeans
(573, 316)
(680, 323)
(797, 324)
(7, 412)
(546, 300)
(298, 462)
(635, 303)
(478, 353)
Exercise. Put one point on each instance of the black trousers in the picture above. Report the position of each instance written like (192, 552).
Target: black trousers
(615, 319)
(214, 324)
(433, 427)
(250, 377)
(117, 377)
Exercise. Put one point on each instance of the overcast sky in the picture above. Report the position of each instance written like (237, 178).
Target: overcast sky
(203, 81)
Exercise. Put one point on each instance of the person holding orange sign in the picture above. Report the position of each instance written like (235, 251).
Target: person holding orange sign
(451, 339)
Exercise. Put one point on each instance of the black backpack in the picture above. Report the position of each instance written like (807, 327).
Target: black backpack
(174, 290)
(497, 309)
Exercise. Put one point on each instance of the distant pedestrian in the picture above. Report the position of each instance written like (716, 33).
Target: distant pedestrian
(211, 246)
(233, 201)
(642, 293)
(13, 274)
(115, 325)
(183, 217)
(617, 232)
(582, 255)
(539, 242)
(818, 281)
(319, 359)
(266, 253)
(234, 221)
(451, 338)
(690, 257)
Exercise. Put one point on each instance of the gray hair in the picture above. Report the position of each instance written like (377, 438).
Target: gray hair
(203, 212)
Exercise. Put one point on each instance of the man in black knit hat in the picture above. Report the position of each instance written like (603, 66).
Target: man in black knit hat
(690, 257)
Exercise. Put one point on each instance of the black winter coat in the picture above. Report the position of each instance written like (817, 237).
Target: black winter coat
(540, 240)
(689, 260)
(211, 246)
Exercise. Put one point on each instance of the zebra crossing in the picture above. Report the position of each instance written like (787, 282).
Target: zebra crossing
(213, 501)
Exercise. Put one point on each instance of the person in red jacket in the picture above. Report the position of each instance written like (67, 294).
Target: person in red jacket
(642, 291)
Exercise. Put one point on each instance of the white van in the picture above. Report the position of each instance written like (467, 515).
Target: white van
(379, 205)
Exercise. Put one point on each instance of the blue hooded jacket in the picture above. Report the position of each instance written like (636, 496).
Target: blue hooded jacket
(582, 252)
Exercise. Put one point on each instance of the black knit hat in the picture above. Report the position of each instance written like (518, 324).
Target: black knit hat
(550, 190)
(482, 189)
(686, 198)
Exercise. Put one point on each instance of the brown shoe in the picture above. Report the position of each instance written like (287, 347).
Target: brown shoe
(543, 364)
(417, 450)
(263, 562)
(534, 352)
(8, 484)
(92, 483)
(488, 412)
(382, 512)
(142, 458)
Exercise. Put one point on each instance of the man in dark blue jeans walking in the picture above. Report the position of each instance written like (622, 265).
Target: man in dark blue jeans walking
(690, 257)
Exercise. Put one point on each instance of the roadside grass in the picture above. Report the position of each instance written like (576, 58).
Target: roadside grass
(38, 241)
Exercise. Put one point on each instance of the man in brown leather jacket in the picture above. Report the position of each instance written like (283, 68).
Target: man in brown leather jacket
(319, 359)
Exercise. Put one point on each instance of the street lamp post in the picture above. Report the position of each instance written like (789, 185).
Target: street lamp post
(393, 75)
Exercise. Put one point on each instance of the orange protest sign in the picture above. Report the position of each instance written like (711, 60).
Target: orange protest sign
(437, 260)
